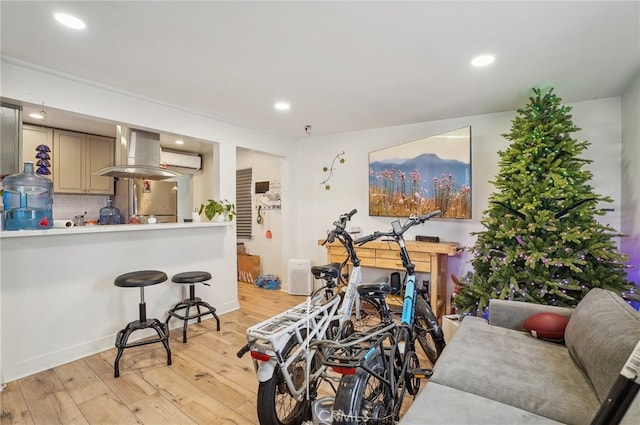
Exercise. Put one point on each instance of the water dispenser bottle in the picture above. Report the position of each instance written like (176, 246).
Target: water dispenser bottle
(109, 214)
(27, 201)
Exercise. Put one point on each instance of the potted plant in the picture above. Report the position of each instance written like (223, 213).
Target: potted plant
(224, 209)
(228, 210)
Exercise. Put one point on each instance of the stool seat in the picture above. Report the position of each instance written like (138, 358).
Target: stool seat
(140, 278)
(191, 277)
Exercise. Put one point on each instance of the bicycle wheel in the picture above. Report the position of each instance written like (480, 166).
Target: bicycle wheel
(368, 315)
(428, 332)
(276, 405)
(362, 398)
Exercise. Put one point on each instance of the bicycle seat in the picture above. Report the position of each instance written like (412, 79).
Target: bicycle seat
(327, 271)
(376, 289)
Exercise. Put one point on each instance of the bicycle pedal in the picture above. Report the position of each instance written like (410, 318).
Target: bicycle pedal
(421, 373)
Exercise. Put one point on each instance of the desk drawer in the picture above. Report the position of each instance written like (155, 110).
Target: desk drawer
(417, 256)
(341, 256)
(363, 253)
(388, 263)
(386, 254)
(396, 264)
(422, 266)
(337, 258)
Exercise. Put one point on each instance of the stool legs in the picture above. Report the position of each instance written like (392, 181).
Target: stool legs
(123, 335)
(186, 305)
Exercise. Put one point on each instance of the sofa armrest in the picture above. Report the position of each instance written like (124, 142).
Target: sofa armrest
(511, 314)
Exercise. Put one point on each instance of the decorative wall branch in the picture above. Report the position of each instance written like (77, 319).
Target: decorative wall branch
(338, 157)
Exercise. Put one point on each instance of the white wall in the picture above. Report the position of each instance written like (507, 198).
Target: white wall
(317, 208)
(631, 177)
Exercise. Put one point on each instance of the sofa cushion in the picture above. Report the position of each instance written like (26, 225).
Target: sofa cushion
(513, 368)
(438, 405)
(512, 314)
(602, 332)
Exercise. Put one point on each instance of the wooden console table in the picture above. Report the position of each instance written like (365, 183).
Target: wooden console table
(428, 257)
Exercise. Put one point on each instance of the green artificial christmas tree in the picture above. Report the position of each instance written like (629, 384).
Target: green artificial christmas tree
(542, 242)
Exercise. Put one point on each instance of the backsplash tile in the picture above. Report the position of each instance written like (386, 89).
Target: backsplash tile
(65, 207)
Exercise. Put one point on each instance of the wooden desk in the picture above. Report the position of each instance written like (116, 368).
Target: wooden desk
(428, 257)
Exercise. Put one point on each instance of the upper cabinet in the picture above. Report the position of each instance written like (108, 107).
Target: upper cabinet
(76, 156)
(32, 137)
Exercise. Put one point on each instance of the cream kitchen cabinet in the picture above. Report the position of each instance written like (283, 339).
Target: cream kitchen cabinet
(76, 156)
(32, 137)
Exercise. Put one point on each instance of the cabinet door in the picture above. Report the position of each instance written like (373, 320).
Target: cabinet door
(68, 162)
(99, 154)
(33, 136)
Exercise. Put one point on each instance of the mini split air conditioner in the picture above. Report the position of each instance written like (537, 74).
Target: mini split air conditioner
(182, 162)
(299, 277)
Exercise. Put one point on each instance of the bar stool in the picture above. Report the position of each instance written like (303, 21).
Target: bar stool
(140, 279)
(191, 278)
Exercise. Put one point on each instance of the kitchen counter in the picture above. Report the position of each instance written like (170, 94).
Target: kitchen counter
(107, 229)
(58, 302)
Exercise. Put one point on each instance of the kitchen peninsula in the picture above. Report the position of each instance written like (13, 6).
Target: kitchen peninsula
(58, 300)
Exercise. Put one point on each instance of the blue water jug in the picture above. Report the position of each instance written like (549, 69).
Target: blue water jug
(27, 201)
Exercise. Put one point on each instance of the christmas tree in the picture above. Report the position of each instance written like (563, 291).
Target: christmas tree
(543, 243)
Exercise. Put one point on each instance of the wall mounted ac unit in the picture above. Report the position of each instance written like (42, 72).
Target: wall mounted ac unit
(299, 277)
(182, 162)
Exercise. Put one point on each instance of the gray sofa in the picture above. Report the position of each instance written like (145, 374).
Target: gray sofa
(495, 373)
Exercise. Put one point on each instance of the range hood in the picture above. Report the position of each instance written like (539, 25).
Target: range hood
(137, 156)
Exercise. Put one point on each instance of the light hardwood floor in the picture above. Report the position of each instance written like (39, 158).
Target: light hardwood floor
(206, 384)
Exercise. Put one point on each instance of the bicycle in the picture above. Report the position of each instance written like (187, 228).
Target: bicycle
(288, 368)
(380, 367)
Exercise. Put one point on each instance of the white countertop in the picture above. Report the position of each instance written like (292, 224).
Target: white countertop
(113, 228)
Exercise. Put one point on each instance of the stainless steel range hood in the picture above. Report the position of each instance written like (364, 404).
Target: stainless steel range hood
(137, 156)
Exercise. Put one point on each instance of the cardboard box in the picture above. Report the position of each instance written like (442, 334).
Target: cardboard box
(248, 267)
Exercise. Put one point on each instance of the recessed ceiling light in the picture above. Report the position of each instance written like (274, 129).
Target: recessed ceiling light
(282, 106)
(483, 60)
(70, 21)
(37, 116)
(179, 142)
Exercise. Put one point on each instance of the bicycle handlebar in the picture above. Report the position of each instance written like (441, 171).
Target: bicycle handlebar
(427, 216)
(339, 226)
(371, 237)
(350, 214)
(412, 221)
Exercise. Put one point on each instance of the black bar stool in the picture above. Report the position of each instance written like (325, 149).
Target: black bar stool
(191, 278)
(140, 279)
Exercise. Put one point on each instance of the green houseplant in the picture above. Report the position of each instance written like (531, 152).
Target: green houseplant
(222, 208)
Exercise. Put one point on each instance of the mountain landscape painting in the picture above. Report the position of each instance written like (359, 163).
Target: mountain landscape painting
(418, 177)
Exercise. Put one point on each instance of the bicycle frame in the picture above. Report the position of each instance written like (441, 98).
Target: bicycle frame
(305, 322)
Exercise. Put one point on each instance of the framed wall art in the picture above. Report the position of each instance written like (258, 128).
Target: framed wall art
(424, 175)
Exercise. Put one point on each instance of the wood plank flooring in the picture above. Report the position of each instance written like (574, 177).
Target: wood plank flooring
(206, 384)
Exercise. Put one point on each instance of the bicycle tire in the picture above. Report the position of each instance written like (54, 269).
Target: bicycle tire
(275, 404)
(370, 315)
(362, 398)
(427, 330)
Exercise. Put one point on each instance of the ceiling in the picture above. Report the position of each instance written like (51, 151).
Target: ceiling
(343, 66)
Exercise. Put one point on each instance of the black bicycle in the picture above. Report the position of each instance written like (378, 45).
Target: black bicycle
(380, 366)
